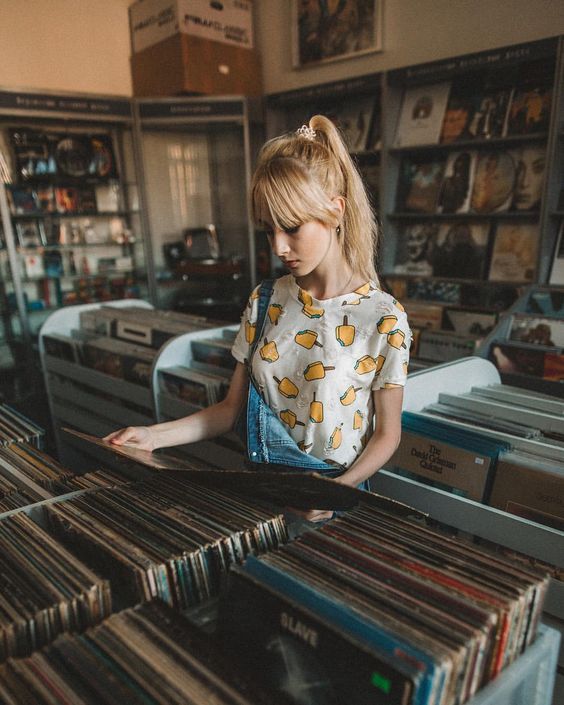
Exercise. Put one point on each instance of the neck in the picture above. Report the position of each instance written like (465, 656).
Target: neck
(334, 284)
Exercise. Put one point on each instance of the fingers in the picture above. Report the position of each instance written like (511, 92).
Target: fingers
(313, 515)
(124, 435)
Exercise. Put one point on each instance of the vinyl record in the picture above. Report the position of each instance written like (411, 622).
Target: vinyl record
(72, 156)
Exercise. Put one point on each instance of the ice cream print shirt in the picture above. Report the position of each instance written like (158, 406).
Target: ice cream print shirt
(318, 361)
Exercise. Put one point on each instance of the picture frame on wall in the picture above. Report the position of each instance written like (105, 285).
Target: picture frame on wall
(332, 30)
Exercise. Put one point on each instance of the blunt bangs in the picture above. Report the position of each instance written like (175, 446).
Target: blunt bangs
(283, 194)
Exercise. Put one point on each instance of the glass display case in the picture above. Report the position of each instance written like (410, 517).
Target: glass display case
(194, 157)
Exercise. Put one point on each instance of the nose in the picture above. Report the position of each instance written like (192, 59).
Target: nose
(279, 243)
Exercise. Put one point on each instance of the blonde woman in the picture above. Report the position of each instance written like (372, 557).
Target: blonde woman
(322, 352)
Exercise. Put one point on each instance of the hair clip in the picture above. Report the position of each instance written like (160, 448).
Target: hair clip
(306, 132)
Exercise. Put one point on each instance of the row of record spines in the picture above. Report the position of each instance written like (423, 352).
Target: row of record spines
(380, 579)
(128, 546)
(14, 427)
(45, 590)
(168, 539)
(108, 664)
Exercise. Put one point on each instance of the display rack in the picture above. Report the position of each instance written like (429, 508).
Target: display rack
(516, 533)
(194, 159)
(86, 249)
(542, 306)
(83, 398)
(225, 451)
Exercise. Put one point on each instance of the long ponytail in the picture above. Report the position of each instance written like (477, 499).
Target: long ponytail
(297, 176)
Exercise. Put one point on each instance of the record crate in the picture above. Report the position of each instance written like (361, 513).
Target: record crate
(530, 679)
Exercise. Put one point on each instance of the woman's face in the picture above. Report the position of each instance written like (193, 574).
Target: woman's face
(303, 249)
(529, 178)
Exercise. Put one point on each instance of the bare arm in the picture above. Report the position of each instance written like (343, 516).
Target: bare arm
(207, 423)
(384, 440)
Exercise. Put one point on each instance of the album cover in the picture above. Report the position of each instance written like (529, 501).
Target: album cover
(424, 315)
(102, 160)
(73, 155)
(34, 154)
(107, 198)
(517, 360)
(529, 110)
(446, 292)
(490, 114)
(46, 199)
(53, 263)
(458, 117)
(30, 234)
(23, 200)
(422, 113)
(86, 200)
(415, 248)
(66, 199)
(419, 184)
(469, 322)
(457, 183)
(493, 182)
(284, 646)
(548, 332)
(554, 367)
(33, 266)
(530, 164)
(354, 120)
(514, 255)
(557, 268)
(460, 250)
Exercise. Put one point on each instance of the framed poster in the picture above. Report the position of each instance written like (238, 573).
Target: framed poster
(329, 30)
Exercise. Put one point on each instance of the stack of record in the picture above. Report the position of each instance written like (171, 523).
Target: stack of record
(165, 538)
(373, 604)
(22, 460)
(94, 479)
(16, 427)
(142, 656)
(44, 589)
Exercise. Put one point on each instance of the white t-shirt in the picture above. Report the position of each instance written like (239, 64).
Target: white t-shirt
(318, 362)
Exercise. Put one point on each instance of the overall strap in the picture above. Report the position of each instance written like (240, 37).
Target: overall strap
(265, 292)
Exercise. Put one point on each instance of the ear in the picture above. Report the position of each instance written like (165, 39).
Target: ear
(338, 204)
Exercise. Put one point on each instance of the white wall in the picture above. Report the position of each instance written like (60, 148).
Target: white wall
(65, 45)
(83, 45)
(415, 31)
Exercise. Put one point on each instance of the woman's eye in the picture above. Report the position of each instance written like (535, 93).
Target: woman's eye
(292, 231)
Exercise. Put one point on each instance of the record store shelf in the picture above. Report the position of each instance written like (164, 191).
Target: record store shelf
(222, 452)
(84, 398)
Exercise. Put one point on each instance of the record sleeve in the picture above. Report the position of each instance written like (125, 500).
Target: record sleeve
(529, 177)
(419, 184)
(422, 113)
(514, 254)
(458, 117)
(73, 155)
(490, 114)
(415, 249)
(517, 360)
(354, 120)
(460, 250)
(494, 180)
(457, 183)
(548, 332)
(529, 110)
(557, 268)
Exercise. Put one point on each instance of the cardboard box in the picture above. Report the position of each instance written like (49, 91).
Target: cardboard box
(448, 467)
(193, 46)
(533, 493)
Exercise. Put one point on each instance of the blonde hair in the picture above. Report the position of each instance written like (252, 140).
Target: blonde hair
(297, 176)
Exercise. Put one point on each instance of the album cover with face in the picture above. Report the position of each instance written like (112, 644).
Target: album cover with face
(494, 180)
(458, 179)
(419, 184)
(530, 164)
(416, 244)
(460, 250)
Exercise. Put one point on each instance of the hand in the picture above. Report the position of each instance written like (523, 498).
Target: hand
(141, 437)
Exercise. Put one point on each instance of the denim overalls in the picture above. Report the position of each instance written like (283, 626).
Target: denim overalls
(267, 441)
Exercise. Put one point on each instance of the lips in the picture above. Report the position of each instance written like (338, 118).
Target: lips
(291, 264)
